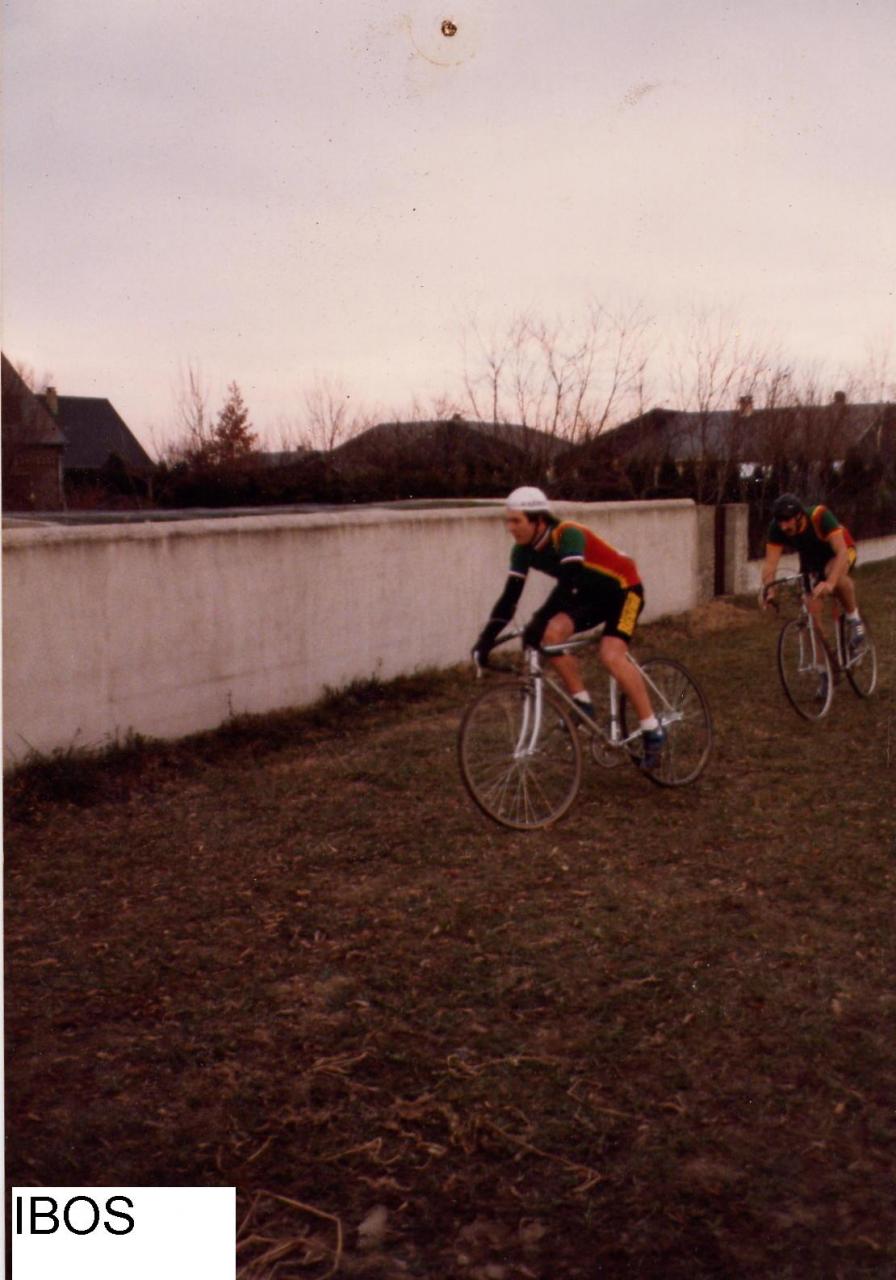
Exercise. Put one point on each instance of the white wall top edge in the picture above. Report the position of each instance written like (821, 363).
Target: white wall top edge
(150, 530)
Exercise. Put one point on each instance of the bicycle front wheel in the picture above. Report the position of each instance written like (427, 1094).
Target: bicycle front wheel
(861, 668)
(681, 708)
(805, 669)
(522, 767)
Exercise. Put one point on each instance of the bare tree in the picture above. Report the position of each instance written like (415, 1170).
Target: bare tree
(330, 417)
(563, 381)
(28, 374)
(719, 379)
(880, 383)
(192, 427)
(878, 379)
(288, 434)
(483, 371)
(201, 440)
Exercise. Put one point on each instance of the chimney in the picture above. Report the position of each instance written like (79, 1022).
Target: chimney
(52, 401)
(745, 406)
(839, 397)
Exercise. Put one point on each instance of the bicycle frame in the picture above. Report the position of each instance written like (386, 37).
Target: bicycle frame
(837, 655)
(532, 716)
(520, 753)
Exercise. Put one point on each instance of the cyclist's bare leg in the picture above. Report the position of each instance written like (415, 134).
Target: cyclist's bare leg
(816, 607)
(845, 591)
(567, 666)
(614, 655)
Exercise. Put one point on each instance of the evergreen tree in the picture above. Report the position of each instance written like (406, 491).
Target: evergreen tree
(232, 438)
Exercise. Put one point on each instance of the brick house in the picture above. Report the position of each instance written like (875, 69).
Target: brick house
(32, 446)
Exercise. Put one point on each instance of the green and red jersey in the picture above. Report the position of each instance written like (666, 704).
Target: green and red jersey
(813, 545)
(594, 582)
(602, 570)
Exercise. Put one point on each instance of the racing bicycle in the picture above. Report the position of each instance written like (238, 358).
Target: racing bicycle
(809, 664)
(520, 743)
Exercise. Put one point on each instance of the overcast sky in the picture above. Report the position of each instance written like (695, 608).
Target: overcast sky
(282, 191)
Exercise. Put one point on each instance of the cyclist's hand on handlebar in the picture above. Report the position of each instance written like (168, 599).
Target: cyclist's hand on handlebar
(767, 597)
(480, 655)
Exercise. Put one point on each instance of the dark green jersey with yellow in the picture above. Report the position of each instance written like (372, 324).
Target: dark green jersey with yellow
(595, 582)
(603, 570)
(812, 544)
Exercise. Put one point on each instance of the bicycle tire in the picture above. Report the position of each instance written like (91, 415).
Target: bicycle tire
(861, 671)
(681, 707)
(807, 677)
(516, 782)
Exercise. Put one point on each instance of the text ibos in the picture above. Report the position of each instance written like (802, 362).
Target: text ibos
(42, 1215)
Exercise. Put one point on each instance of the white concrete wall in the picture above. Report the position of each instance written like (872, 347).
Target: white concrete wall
(165, 629)
(748, 575)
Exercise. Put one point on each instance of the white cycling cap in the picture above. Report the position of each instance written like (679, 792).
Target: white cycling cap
(528, 498)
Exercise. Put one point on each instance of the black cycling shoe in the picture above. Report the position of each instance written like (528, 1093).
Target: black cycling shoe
(587, 709)
(654, 740)
(856, 636)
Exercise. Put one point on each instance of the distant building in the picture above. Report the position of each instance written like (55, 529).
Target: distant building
(445, 457)
(457, 433)
(745, 436)
(101, 452)
(31, 447)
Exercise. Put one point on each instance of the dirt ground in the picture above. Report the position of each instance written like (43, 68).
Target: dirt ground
(656, 1040)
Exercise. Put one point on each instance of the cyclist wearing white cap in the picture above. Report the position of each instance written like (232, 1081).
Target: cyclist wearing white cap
(595, 583)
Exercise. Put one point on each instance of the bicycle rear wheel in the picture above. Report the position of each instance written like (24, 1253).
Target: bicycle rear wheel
(805, 669)
(861, 670)
(681, 708)
(522, 773)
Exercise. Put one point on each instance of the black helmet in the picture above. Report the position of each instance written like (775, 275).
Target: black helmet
(786, 507)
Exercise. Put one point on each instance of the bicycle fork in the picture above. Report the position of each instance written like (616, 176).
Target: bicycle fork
(615, 728)
(533, 705)
(818, 648)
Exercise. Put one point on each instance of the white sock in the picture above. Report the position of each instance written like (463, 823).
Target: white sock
(650, 723)
(854, 616)
(584, 696)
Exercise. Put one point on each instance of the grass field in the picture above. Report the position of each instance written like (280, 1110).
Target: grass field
(657, 1040)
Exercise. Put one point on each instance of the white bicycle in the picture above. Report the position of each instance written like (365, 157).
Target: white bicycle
(809, 663)
(520, 739)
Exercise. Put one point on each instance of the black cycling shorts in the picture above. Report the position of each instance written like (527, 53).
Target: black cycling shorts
(813, 571)
(620, 613)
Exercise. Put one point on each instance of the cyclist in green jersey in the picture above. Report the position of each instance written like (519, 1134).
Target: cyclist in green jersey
(827, 553)
(595, 583)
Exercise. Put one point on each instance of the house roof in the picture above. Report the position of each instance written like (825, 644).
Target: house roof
(25, 420)
(94, 432)
(817, 431)
(387, 438)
